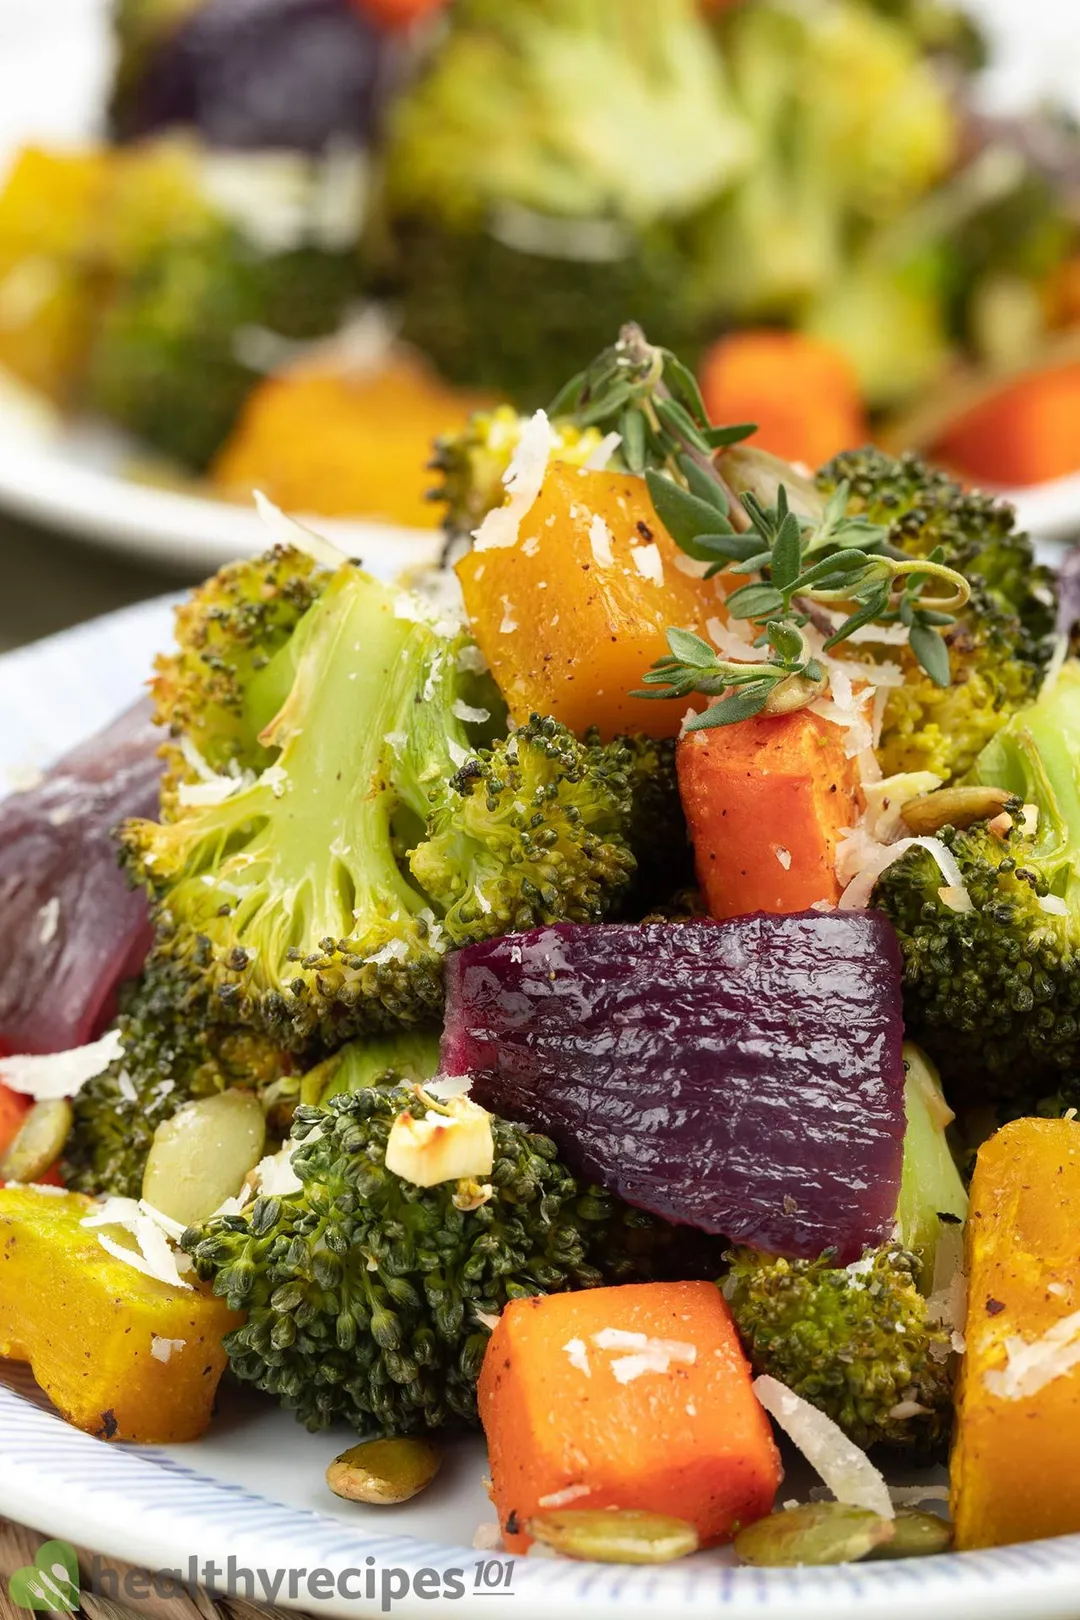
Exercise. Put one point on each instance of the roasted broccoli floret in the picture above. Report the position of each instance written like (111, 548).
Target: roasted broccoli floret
(314, 901)
(212, 694)
(1003, 639)
(369, 1300)
(992, 974)
(472, 464)
(529, 225)
(861, 1342)
(166, 1062)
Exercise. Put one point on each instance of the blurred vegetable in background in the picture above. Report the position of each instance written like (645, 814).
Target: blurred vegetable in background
(297, 74)
(806, 199)
(538, 174)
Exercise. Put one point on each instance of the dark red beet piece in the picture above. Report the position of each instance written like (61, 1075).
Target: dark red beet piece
(72, 929)
(742, 1077)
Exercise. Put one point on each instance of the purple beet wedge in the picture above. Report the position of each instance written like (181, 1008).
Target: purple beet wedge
(73, 929)
(742, 1077)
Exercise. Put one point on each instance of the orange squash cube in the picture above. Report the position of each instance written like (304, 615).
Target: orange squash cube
(571, 616)
(1013, 1468)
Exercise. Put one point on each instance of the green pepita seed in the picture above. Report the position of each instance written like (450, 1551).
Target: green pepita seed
(952, 807)
(39, 1141)
(384, 1471)
(819, 1533)
(615, 1536)
(916, 1535)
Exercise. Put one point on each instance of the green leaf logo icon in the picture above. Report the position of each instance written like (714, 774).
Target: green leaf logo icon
(50, 1583)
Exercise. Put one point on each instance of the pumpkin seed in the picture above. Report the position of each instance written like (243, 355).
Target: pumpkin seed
(384, 1471)
(793, 693)
(615, 1536)
(916, 1535)
(927, 813)
(819, 1533)
(200, 1156)
(38, 1142)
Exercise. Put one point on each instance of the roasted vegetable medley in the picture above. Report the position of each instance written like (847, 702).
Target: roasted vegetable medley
(570, 991)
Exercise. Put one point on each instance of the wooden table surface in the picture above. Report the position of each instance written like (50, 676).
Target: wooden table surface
(49, 582)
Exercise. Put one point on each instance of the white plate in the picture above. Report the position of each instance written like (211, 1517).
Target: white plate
(54, 67)
(253, 1488)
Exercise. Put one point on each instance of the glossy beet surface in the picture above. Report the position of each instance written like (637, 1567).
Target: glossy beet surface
(742, 1077)
(72, 929)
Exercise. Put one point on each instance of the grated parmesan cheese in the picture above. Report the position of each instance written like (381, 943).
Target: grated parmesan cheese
(563, 1498)
(524, 479)
(598, 459)
(578, 1356)
(1031, 1364)
(600, 538)
(846, 1470)
(287, 532)
(60, 1074)
(466, 711)
(162, 1349)
(783, 856)
(648, 562)
(509, 623)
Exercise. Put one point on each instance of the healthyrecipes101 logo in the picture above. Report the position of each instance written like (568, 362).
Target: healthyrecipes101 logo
(51, 1583)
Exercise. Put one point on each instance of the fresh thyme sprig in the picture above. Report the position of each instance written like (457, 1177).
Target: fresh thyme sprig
(837, 560)
(647, 396)
(834, 558)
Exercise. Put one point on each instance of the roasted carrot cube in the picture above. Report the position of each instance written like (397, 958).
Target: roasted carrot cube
(765, 802)
(634, 1397)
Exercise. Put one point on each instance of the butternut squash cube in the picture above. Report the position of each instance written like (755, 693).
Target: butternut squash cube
(1014, 1470)
(571, 616)
(121, 1355)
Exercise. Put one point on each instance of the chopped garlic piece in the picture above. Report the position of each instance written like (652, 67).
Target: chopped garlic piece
(453, 1142)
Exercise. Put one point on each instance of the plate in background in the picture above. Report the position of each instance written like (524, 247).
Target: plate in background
(54, 69)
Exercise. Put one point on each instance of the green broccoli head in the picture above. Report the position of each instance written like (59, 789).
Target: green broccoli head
(533, 831)
(855, 1341)
(315, 900)
(167, 1061)
(657, 831)
(1003, 639)
(502, 311)
(370, 1300)
(992, 981)
(212, 693)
